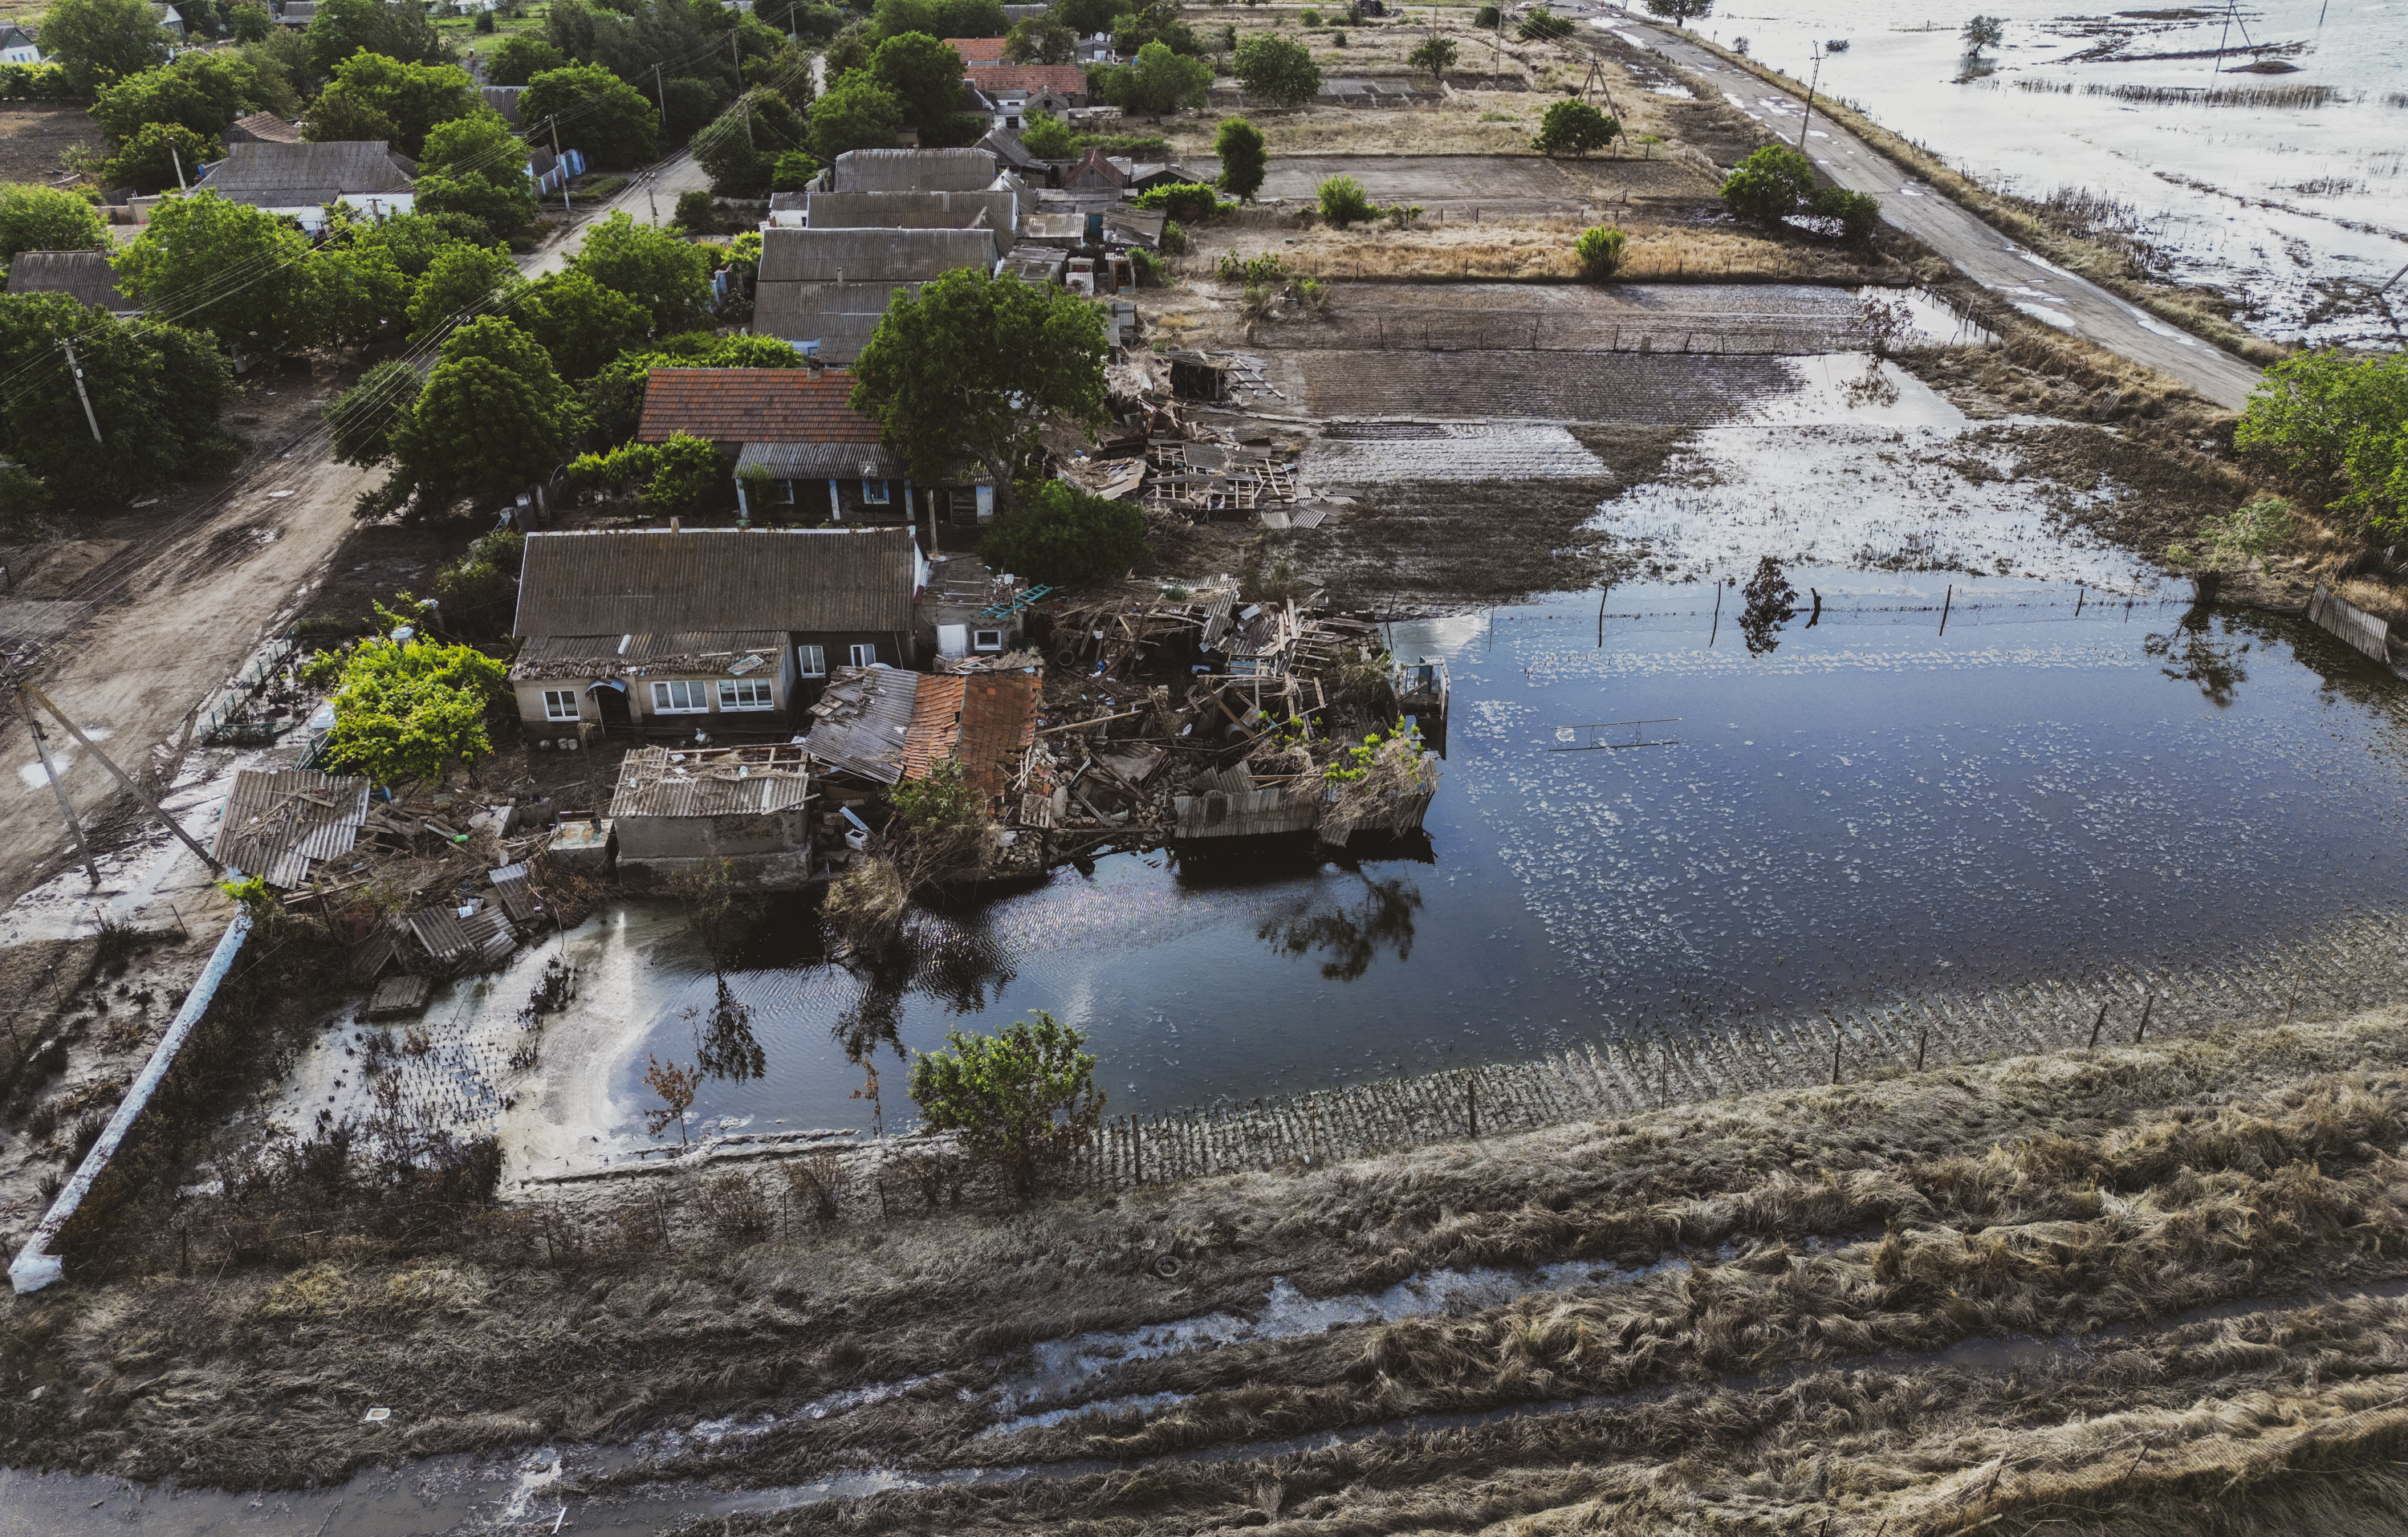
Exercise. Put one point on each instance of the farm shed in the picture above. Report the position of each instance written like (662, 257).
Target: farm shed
(746, 805)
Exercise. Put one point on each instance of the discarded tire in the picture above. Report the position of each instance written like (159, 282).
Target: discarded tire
(1168, 1266)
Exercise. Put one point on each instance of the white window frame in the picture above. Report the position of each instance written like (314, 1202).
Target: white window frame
(553, 698)
(877, 493)
(986, 641)
(865, 657)
(667, 689)
(746, 694)
(811, 661)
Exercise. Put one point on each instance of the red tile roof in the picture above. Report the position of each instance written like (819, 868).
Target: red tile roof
(753, 406)
(1067, 79)
(978, 51)
(986, 720)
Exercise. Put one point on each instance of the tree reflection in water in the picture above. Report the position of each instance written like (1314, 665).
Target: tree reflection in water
(2195, 654)
(1351, 935)
(958, 964)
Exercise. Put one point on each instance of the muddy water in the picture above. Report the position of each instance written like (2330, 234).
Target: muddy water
(1863, 808)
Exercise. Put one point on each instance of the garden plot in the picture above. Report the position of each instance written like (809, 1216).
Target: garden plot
(1407, 451)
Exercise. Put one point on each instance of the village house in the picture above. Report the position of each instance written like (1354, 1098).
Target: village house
(879, 728)
(825, 289)
(980, 50)
(995, 209)
(262, 128)
(909, 170)
(709, 633)
(298, 180)
(84, 276)
(18, 45)
(1065, 83)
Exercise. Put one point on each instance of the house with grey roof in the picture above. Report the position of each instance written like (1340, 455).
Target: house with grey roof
(298, 180)
(909, 170)
(19, 45)
(825, 289)
(83, 275)
(263, 127)
(718, 632)
(994, 208)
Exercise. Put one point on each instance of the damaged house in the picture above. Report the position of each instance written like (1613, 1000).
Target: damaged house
(706, 633)
(745, 805)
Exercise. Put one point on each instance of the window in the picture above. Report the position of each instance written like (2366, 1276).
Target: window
(874, 493)
(865, 657)
(560, 704)
(811, 661)
(746, 694)
(680, 698)
(986, 641)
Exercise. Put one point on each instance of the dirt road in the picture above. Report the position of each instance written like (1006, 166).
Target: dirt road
(2044, 292)
(650, 197)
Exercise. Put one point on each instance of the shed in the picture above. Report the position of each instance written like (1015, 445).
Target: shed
(911, 170)
(262, 128)
(280, 822)
(860, 724)
(1094, 172)
(300, 180)
(83, 275)
(746, 805)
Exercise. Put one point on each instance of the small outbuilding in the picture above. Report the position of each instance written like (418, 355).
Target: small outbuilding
(748, 806)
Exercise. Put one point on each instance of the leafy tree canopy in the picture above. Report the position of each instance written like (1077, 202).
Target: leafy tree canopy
(1023, 1099)
(413, 709)
(476, 166)
(397, 29)
(1435, 53)
(670, 279)
(96, 42)
(691, 104)
(522, 56)
(1769, 185)
(740, 148)
(203, 91)
(972, 365)
(2338, 427)
(1277, 69)
(857, 113)
(598, 112)
(940, 18)
(413, 97)
(460, 283)
(480, 426)
(925, 77)
(1681, 12)
(156, 390)
(580, 323)
(1039, 39)
(1244, 157)
(1159, 81)
(1057, 535)
(361, 291)
(1049, 137)
(1574, 128)
(361, 417)
(250, 21)
(238, 272)
(35, 217)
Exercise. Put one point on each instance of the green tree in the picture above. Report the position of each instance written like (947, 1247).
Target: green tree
(35, 217)
(1160, 81)
(1435, 53)
(1681, 12)
(156, 391)
(850, 50)
(362, 296)
(476, 166)
(1280, 71)
(1344, 202)
(670, 279)
(579, 323)
(972, 365)
(1982, 32)
(250, 21)
(893, 17)
(1769, 185)
(462, 282)
(1601, 253)
(2337, 428)
(1039, 39)
(1542, 26)
(335, 118)
(279, 65)
(740, 149)
(414, 239)
(925, 77)
(399, 29)
(413, 97)
(1244, 157)
(691, 104)
(1023, 1099)
(362, 418)
(599, 113)
(520, 58)
(1857, 214)
(1057, 535)
(1048, 137)
(411, 709)
(793, 171)
(238, 272)
(203, 91)
(479, 425)
(159, 156)
(96, 42)
(1573, 127)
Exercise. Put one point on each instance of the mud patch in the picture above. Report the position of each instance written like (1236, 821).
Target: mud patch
(1622, 388)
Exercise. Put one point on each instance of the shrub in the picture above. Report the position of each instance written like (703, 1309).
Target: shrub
(697, 211)
(1151, 270)
(1601, 253)
(2237, 540)
(1190, 200)
(1311, 18)
(2338, 426)
(1343, 202)
(1057, 535)
(1487, 16)
(1267, 268)
(1857, 214)
(1174, 239)
(1573, 127)
(1541, 26)
(1769, 185)
(413, 708)
(1049, 137)
(1023, 1099)
(1243, 156)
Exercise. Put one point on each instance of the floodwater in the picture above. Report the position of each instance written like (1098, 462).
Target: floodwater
(1855, 807)
(2299, 209)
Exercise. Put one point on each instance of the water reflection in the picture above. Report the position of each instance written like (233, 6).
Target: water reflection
(2195, 655)
(1771, 602)
(1350, 934)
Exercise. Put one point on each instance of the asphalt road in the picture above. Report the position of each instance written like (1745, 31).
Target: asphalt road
(2037, 287)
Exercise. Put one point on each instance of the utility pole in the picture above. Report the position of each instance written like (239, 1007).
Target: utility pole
(567, 210)
(178, 156)
(67, 807)
(1812, 82)
(660, 93)
(26, 690)
(790, 19)
(651, 197)
(75, 370)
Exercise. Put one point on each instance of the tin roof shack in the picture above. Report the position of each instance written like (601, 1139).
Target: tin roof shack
(746, 805)
(825, 289)
(793, 432)
(713, 597)
(280, 823)
(298, 180)
(83, 275)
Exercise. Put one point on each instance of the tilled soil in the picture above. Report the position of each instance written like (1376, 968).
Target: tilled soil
(35, 139)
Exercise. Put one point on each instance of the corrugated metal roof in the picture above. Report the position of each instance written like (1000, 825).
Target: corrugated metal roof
(655, 782)
(862, 719)
(914, 170)
(820, 461)
(704, 652)
(626, 580)
(298, 175)
(278, 821)
(1007, 149)
(504, 100)
(753, 406)
(83, 275)
(483, 937)
(840, 317)
(881, 256)
(998, 208)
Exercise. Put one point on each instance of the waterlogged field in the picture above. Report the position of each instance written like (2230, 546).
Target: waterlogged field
(2298, 202)
(1838, 810)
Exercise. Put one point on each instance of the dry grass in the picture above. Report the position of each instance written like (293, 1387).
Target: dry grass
(1540, 249)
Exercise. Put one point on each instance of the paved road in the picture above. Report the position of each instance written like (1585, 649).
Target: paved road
(650, 197)
(2037, 287)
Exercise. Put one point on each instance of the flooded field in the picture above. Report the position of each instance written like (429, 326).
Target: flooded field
(2290, 189)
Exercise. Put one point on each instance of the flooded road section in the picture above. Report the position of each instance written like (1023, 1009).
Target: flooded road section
(1836, 810)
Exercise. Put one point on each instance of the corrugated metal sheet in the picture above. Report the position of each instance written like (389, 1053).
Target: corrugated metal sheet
(2349, 622)
(821, 461)
(707, 580)
(883, 255)
(1246, 814)
(483, 939)
(989, 208)
(705, 651)
(83, 275)
(516, 898)
(840, 317)
(656, 782)
(914, 170)
(296, 175)
(861, 721)
(279, 821)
